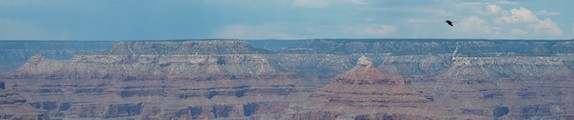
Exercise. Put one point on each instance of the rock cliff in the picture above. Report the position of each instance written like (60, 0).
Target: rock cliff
(186, 47)
(520, 84)
(148, 85)
(310, 79)
(505, 67)
(365, 93)
(14, 106)
(149, 66)
(433, 46)
(13, 54)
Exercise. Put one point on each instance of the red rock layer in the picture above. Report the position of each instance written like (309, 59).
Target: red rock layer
(373, 94)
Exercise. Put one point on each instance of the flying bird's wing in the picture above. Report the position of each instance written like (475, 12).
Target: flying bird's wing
(449, 22)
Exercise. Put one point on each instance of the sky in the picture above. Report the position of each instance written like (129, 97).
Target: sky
(284, 19)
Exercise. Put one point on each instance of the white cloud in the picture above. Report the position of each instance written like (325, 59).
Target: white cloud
(310, 3)
(326, 3)
(521, 15)
(415, 21)
(21, 30)
(474, 25)
(493, 9)
(547, 13)
(358, 2)
(444, 13)
(265, 31)
(373, 30)
(546, 27)
(466, 4)
(518, 32)
(533, 25)
(381, 30)
(506, 2)
(475, 7)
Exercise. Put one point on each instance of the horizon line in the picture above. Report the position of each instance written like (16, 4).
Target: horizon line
(453, 39)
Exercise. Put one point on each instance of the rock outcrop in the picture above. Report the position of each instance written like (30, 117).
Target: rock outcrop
(507, 67)
(480, 85)
(365, 93)
(149, 66)
(311, 79)
(148, 85)
(15, 53)
(14, 106)
(156, 60)
(186, 47)
(469, 48)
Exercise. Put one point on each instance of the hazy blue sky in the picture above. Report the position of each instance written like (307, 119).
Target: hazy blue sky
(284, 19)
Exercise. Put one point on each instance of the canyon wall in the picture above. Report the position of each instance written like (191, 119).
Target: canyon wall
(15, 53)
(311, 79)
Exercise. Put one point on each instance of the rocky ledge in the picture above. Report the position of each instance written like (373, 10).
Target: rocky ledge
(365, 93)
(219, 79)
(186, 47)
(14, 106)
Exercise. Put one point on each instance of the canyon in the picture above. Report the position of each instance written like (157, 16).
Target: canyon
(299, 79)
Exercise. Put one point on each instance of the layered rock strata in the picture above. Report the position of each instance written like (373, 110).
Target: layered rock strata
(149, 66)
(229, 79)
(528, 87)
(365, 93)
(507, 67)
(14, 54)
(15, 106)
(147, 85)
(186, 47)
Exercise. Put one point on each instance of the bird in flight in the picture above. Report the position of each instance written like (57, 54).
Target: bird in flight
(449, 22)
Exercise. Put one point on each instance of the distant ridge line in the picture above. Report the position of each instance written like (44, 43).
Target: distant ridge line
(330, 39)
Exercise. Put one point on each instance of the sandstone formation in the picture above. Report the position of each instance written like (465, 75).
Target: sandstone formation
(479, 85)
(186, 47)
(147, 85)
(148, 66)
(15, 53)
(365, 93)
(14, 106)
(308, 79)
(434, 46)
(505, 67)
(155, 60)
